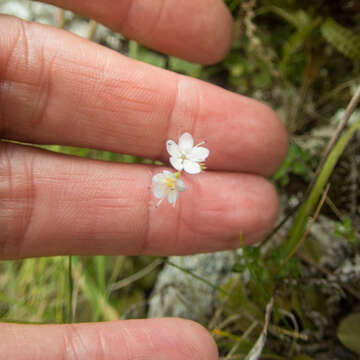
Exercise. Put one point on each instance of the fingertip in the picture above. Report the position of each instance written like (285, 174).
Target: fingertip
(267, 213)
(227, 206)
(199, 337)
(253, 210)
(266, 141)
(164, 338)
(218, 37)
(276, 139)
(196, 31)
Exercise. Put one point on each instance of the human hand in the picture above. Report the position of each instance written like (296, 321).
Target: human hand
(58, 88)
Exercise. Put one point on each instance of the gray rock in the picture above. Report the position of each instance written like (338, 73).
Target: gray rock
(349, 270)
(43, 13)
(180, 294)
(19, 8)
(48, 14)
(79, 27)
(334, 250)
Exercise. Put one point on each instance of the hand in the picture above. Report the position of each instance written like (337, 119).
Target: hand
(58, 88)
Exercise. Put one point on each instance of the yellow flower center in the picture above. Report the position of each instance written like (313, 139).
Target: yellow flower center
(202, 166)
(170, 183)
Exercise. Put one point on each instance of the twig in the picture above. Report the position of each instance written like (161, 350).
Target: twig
(349, 110)
(293, 334)
(246, 334)
(92, 29)
(60, 18)
(257, 349)
(230, 319)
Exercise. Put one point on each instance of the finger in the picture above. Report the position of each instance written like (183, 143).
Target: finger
(110, 102)
(199, 31)
(132, 339)
(52, 204)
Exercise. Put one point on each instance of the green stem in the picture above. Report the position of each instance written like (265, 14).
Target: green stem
(299, 225)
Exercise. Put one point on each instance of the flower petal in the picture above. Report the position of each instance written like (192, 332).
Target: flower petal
(158, 178)
(172, 148)
(168, 174)
(160, 190)
(186, 142)
(192, 167)
(199, 154)
(173, 194)
(180, 185)
(177, 163)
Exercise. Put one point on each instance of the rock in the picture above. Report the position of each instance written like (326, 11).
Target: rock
(180, 294)
(44, 13)
(19, 8)
(349, 270)
(79, 27)
(333, 250)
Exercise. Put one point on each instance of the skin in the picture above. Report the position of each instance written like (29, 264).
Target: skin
(82, 94)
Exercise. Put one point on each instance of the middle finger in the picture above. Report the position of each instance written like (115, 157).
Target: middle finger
(51, 204)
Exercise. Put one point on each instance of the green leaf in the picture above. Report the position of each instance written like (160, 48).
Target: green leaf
(343, 39)
(295, 42)
(299, 225)
(299, 19)
(345, 229)
(233, 5)
(300, 168)
(291, 268)
(348, 332)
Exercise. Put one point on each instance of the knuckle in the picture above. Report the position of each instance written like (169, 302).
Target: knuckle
(17, 198)
(15, 43)
(24, 77)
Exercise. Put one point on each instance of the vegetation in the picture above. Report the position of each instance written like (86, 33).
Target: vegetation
(302, 58)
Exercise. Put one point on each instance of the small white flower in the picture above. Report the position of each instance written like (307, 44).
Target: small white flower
(186, 156)
(167, 184)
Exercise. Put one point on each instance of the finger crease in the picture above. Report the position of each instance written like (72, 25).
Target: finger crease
(5, 86)
(29, 206)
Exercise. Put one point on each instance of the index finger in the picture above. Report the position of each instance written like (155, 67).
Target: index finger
(199, 31)
(114, 103)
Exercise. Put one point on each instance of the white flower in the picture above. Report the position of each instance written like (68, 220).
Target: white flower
(167, 184)
(186, 156)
